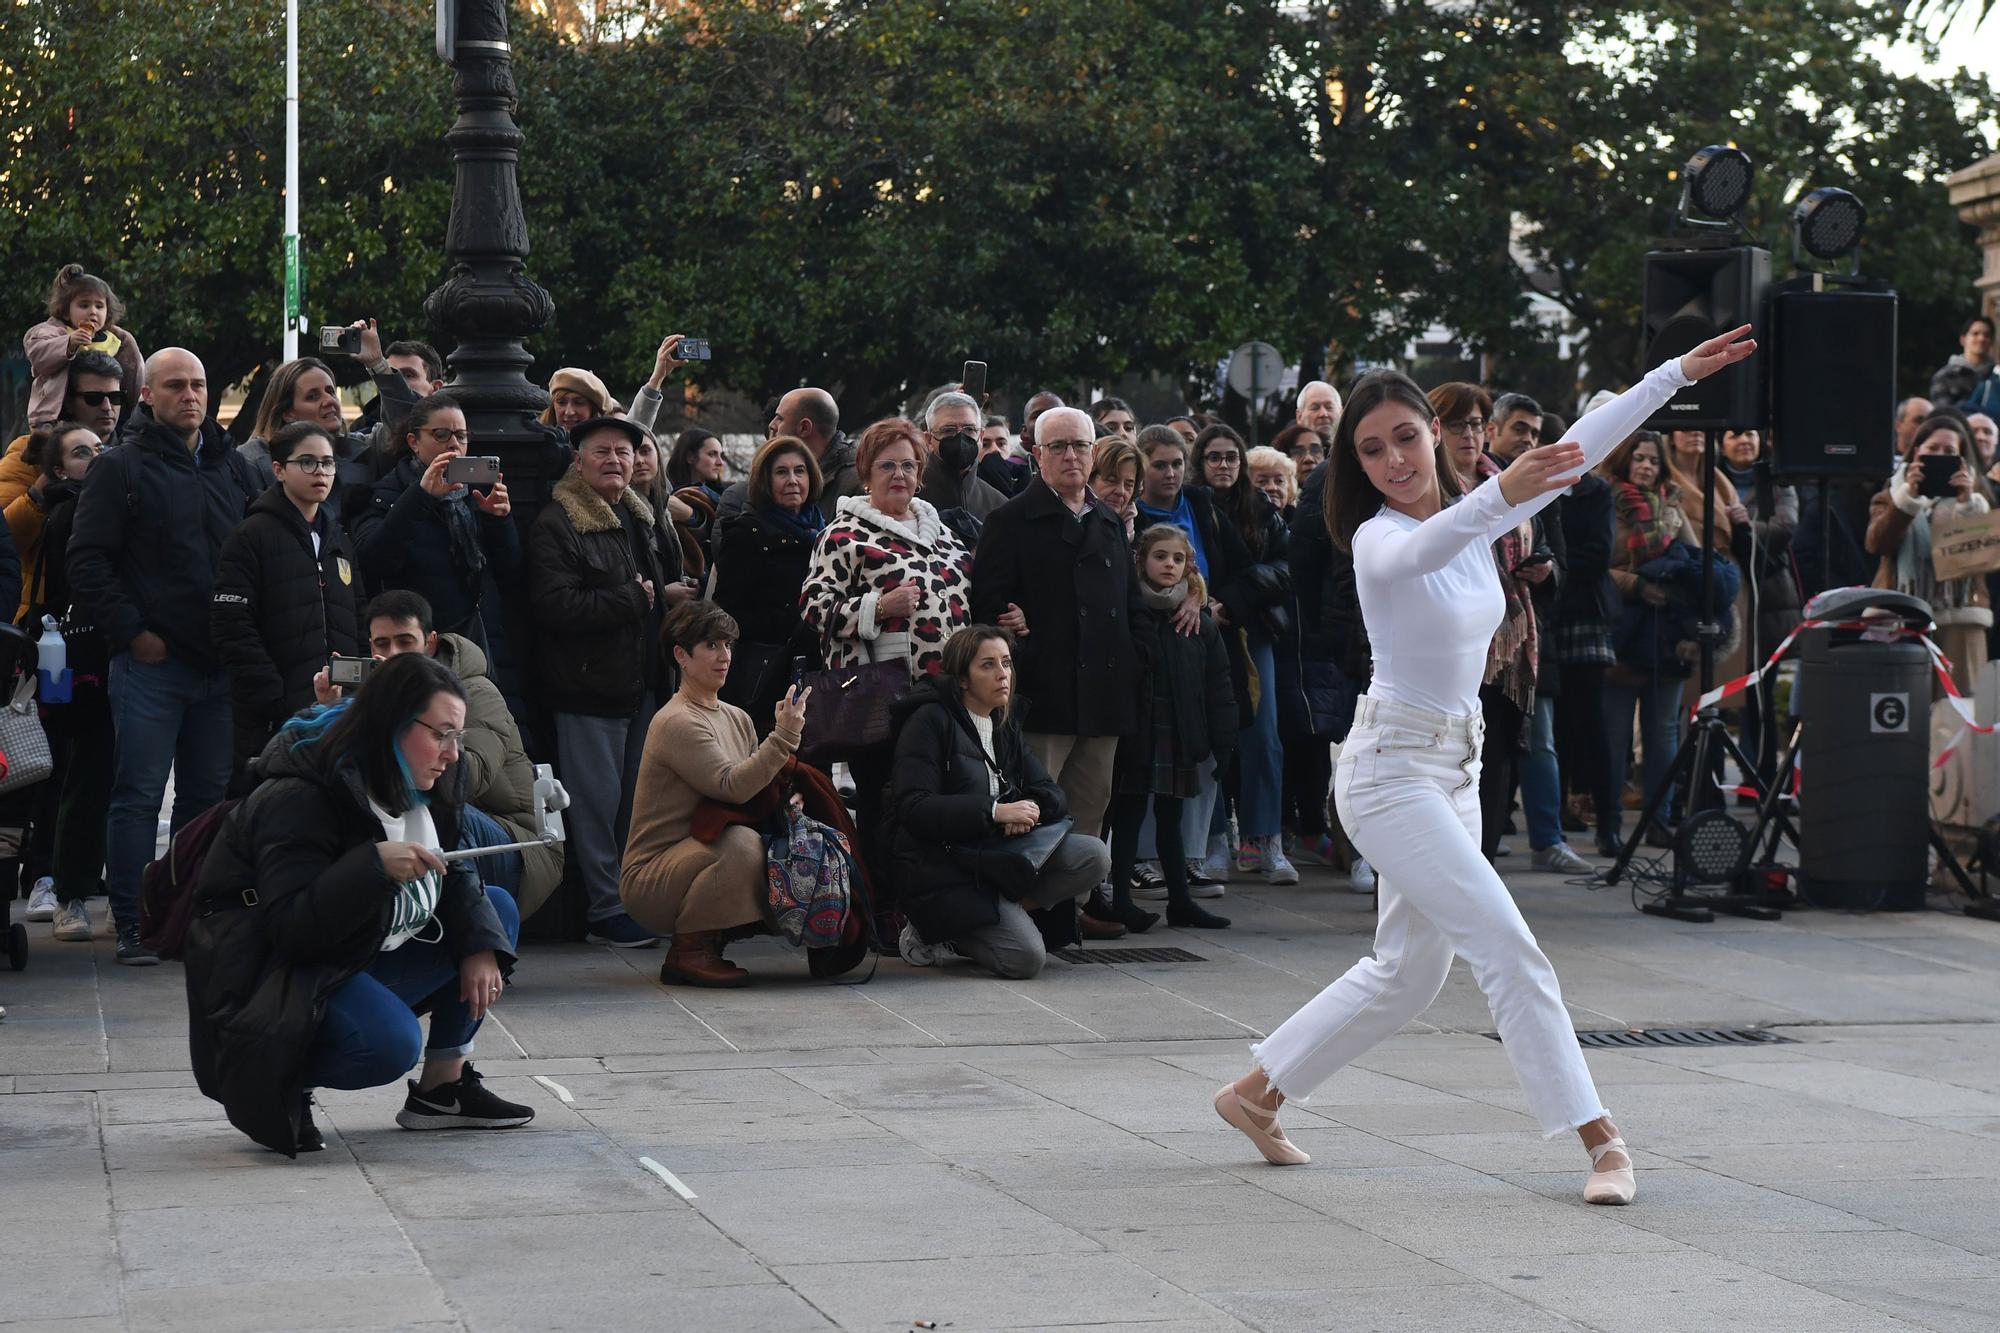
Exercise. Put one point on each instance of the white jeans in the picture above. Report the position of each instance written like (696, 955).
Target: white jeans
(1407, 790)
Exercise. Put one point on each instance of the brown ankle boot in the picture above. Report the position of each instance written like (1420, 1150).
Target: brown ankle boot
(695, 959)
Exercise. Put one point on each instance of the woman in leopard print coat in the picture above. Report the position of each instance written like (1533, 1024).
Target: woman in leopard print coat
(888, 579)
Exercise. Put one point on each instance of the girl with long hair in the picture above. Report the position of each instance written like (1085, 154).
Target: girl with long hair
(1408, 777)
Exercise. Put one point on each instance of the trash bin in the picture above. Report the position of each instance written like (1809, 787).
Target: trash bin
(1864, 818)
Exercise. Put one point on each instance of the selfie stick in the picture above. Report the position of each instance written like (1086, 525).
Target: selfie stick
(469, 853)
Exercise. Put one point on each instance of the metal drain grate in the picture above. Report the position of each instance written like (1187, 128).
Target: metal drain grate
(1677, 1037)
(1129, 956)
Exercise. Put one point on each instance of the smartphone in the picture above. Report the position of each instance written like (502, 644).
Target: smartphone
(694, 349)
(1936, 472)
(340, 338)
(973, 379)
(1539, 556)
(800, 665)
(348, 671)
(472, 470)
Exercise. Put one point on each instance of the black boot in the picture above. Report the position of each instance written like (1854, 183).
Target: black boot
(310, 1139)
(1184, 915)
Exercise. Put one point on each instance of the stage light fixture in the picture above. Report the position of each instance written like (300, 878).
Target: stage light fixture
(1716, 181)
(1827, 224)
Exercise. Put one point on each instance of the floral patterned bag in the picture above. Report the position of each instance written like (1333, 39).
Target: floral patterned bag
(811, 872)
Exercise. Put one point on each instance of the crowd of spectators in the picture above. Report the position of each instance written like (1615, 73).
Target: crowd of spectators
(1137, 630)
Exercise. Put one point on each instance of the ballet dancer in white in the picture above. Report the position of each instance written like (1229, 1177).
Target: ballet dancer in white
(1407, 785)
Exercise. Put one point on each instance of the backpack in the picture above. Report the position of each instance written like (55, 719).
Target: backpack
(810, 869)
(166, 888)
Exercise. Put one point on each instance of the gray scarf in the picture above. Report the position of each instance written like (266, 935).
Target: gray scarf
(1170, 600)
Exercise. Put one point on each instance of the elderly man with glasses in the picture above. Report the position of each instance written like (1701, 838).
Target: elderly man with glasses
(1053, 567)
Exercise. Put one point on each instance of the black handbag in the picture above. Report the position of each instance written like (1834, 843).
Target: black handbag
(1011, 865)
(755, 670)
(848, 712)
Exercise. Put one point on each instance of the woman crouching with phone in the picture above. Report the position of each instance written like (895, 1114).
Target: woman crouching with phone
(326, 920)
(1937, 483)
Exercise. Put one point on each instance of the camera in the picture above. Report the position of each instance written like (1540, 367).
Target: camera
(348, 671)
(339, 338)
(694, 349)
(472, 470)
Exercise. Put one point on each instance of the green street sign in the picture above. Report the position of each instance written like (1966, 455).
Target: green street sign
(294, 282)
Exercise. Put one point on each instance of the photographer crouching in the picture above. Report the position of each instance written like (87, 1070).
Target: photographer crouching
(326, 921)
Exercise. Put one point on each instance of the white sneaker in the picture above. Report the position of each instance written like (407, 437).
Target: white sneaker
(1562, 859)
(1148, 884)
(73, 921)
(1361, 878)
(1216, 864)
(42, 902)
(914, 951)
(1277, 870)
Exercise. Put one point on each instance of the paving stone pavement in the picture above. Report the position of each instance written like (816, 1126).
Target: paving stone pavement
(985, 1154)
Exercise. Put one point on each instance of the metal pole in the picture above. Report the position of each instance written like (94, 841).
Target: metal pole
(291, 242)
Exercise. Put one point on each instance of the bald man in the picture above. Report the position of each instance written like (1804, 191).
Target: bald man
(1319, 409)
(149, 529)
(813, 416)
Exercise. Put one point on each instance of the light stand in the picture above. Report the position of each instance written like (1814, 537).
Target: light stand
(1707, 741)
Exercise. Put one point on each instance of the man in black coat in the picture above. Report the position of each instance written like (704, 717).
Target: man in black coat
(284, 593)
(1053, 567)
(595, 590)
(150, 527)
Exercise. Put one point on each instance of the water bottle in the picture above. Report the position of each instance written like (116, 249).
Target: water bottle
(53, 666)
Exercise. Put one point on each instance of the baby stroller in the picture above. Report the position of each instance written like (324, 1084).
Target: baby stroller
(25, 765)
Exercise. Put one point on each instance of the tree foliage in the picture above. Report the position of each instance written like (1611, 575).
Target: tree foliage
(863, 192)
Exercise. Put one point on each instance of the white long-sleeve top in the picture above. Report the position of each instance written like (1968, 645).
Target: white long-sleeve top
(1430, 592)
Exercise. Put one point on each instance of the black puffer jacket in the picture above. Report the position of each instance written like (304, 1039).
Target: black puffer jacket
(1190, 678)
(1260, 593)
(293, 901)
(1073, 578)
(408, 538)
(597, 632)
(940, 797)
(279, 612)
(150, 527)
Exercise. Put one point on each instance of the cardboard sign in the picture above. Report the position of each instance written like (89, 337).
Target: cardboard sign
(1968, 544)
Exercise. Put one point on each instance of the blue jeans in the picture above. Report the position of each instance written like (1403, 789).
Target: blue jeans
(166, 715)
(370, 1034)
(1260, 758)
(500, 870)
(1659, 705)
(1541, 778)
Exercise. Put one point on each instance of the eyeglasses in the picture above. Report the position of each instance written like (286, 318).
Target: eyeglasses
(450, 737)
(1217, 460)
(1466, 425)
(99, 397)
(313, 465)
(1068, 446)
(439, 435)
(890, 467)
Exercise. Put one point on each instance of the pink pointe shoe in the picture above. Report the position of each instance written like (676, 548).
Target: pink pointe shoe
(1611, 1187)
(1259, 1126)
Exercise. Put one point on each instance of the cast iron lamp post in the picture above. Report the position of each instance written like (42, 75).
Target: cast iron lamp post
(488, 306)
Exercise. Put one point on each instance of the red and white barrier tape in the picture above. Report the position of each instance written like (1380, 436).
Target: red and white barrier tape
(1892, 629)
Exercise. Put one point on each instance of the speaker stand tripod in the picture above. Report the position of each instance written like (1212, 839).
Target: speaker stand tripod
(1708, 740)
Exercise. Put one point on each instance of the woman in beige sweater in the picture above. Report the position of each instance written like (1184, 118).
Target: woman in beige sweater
(699, 748)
